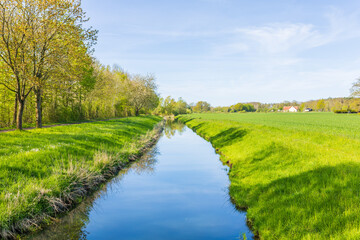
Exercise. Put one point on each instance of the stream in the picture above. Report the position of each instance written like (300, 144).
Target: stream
(179, 190)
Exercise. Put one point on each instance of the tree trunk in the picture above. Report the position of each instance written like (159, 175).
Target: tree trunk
(137, 112)
(19, 120)
(15, 111)
(38, 108)
(80, 107)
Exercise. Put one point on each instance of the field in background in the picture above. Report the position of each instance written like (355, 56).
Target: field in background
(330, 123)
(297, 174)
(43, 169)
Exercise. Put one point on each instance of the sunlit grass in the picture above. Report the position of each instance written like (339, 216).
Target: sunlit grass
(340, 124)
(38, 168)
(298, 174)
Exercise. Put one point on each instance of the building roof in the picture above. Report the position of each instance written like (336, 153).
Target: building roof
(288, 108)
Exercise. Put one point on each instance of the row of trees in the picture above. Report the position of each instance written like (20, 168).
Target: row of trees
(105, 92)
(47, 72)
(239, 107)
(321, 105)
(169, 106)
(351, 103)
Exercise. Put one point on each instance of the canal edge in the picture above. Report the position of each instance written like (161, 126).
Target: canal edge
(228, 163)
(68, 202)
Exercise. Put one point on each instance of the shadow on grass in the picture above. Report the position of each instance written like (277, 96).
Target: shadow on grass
(274, 149)
(185, 119)
(321, 202)
(33, 154)
(228, 137)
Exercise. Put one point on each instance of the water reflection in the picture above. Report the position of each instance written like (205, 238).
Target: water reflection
(72, 226)
(173, 127)
(147, 163)
(179, 190)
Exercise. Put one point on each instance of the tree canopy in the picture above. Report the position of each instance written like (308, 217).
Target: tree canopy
(48, 72)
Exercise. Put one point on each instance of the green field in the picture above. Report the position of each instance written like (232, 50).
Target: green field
(298, 175)
(44, 171)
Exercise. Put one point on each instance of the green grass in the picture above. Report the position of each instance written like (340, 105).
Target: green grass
(347, 125)
(40, 167)
(298, 174)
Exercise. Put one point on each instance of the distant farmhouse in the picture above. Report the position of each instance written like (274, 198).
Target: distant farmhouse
(291, 109)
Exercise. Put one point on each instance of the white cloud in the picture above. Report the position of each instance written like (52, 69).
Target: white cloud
(280, 38)
(343, 25)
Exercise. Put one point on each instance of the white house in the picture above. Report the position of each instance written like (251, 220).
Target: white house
(291, 109)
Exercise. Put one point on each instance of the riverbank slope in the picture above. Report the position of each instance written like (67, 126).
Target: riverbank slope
(45, 172)
(297, 175)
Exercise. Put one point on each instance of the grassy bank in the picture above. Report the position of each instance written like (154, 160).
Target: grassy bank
(44, 172)
(298, 175)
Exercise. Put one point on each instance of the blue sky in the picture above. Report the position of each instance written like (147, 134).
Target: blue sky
(228, 51)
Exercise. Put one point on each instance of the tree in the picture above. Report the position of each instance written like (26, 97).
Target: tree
(169, 105)
(15, 24)
(38, 38)
(302, 107)
(201, 106)
(180, 107)
(248, 108)
(355, 104)
(237, 107)
(320, 106)
(355, 89)
(141, 93)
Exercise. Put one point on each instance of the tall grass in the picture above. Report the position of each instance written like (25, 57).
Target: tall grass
(297, 174)
(45, 172)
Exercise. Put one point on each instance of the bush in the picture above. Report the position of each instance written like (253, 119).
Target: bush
(345, 111)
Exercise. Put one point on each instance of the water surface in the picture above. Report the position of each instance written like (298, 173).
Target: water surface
(179, 190)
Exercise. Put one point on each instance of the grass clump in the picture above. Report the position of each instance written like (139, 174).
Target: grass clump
(298, 175)
(44, 172)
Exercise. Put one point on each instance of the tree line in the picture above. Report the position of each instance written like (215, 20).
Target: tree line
(239, 107)
(48, 73)
(321, 105)
(169, 106)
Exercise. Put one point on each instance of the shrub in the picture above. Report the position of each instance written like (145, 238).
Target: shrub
(345, 111)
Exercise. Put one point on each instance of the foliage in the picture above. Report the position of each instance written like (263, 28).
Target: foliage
(240, 107)
(326, 105)
(355, 90)
(140, 93)
(320, 106)
(48, 74)
(201, 106)
(345, 111)
(297, 174)
(100, 93)
(302, 107)
(40, 39)
(169, 106)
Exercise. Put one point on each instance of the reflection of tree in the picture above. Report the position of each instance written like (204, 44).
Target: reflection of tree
(73, 225)
(172, 126)
(147, 162)
(70, 226)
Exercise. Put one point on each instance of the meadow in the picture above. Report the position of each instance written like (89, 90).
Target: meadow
(44, 172)
(297, 174)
